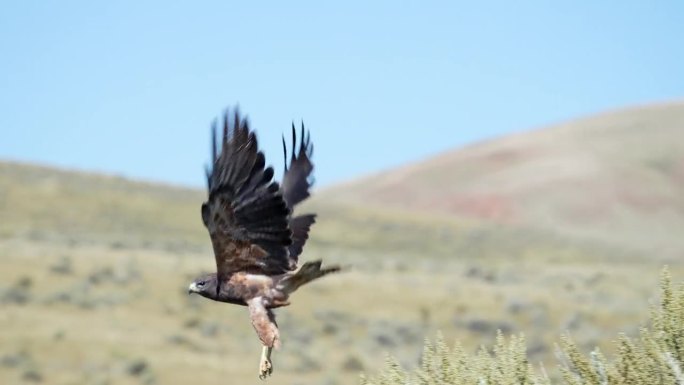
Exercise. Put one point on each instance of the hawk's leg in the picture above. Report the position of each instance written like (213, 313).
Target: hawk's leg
(264, 323)
(265, 365)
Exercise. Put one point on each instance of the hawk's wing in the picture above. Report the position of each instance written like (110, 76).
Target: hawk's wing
(300, 233)
(245, 213)
(296, 184)
(297, 178)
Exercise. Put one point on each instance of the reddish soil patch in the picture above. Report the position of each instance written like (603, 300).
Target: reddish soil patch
(484, 206)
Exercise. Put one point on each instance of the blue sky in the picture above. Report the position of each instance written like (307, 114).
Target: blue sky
(130, 87)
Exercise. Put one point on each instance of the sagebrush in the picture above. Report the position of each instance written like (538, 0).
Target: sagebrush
(656, 356)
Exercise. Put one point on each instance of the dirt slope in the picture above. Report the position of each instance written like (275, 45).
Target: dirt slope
(617, 177)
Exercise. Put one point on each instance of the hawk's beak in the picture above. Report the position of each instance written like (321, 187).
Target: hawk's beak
(193, 288)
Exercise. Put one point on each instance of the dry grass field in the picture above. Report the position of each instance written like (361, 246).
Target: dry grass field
(94, 271)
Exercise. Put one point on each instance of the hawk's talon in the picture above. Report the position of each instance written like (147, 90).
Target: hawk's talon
(265, 365)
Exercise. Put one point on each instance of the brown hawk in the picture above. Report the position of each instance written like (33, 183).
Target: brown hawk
(256, 239)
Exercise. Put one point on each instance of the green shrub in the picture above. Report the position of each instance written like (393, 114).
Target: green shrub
(655, 357)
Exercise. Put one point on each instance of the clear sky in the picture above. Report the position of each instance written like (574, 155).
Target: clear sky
(130, 87)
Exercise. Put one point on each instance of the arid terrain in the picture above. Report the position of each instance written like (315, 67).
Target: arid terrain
(560, 229)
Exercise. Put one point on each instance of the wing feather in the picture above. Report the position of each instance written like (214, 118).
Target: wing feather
(297, 179)
(245, 213)
(300, 226)
(297, 182)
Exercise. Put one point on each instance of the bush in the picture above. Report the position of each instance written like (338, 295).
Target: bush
(655, 357)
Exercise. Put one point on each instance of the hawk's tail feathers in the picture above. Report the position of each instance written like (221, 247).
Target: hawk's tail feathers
(307, 273)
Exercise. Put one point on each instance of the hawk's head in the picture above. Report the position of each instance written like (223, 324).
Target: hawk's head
(205, 285)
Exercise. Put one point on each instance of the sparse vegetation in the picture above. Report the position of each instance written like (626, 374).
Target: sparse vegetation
(656, 356)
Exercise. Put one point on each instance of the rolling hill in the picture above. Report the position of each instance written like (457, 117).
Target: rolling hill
(615, 178)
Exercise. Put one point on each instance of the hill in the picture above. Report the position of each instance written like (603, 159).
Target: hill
(615, 178)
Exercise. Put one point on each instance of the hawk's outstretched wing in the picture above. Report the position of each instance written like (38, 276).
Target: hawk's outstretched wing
(296, 184)
(246, 214)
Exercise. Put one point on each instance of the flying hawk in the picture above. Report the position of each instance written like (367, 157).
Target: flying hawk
(256, 239)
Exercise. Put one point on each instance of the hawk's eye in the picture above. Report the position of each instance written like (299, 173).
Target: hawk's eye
(200, 283)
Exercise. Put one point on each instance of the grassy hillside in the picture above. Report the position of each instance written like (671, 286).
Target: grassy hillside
(93, 272)
(616, 178)
(41, 203)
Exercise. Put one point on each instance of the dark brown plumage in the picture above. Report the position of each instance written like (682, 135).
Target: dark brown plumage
(255, 238)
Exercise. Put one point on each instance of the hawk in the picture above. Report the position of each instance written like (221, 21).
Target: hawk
(256, 238)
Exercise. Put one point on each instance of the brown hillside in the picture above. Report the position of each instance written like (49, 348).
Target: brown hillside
(616, 177)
